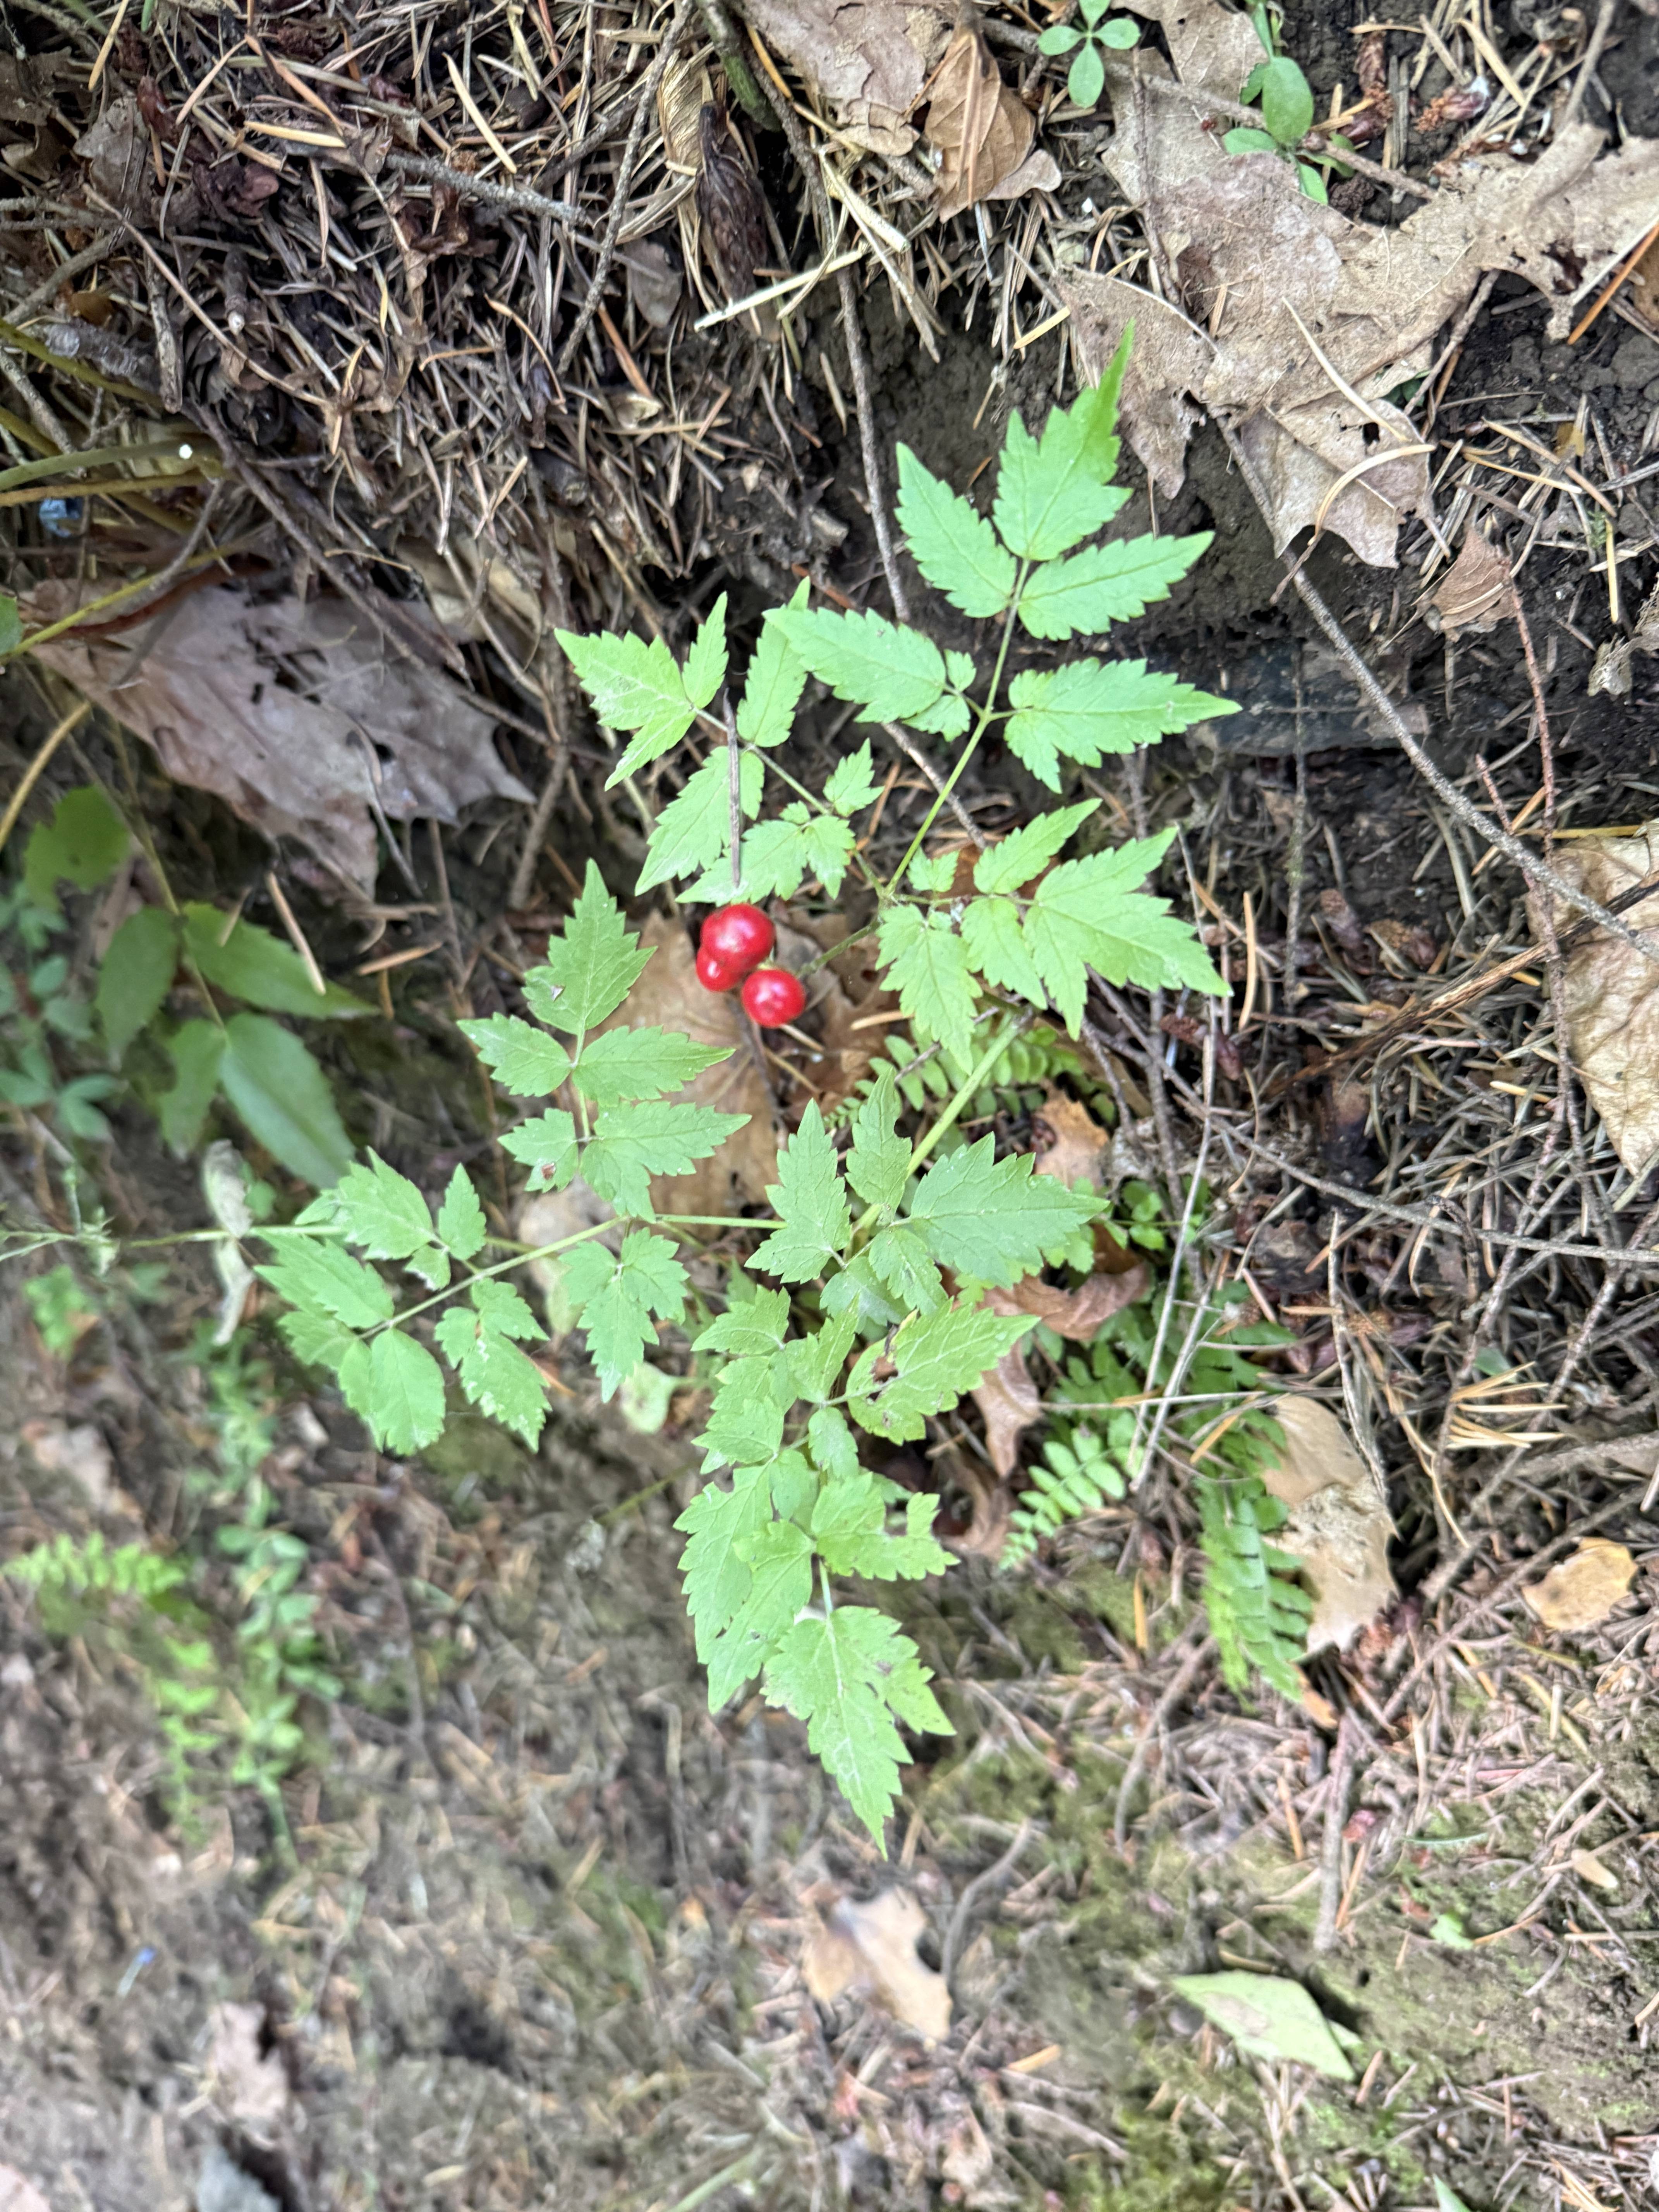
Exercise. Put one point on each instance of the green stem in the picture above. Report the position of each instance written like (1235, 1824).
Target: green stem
(986, 713)
(975, 1077)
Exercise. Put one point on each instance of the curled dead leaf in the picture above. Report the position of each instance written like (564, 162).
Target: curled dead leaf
(1338, 1526)
(1078, 1314)
(1070, 1143)
(293, 712)
(869, 1950)
(1008, 1403)
(1473, 594)
(868, 59)
(1581, 1592)
(981, 126)
(1611, 995)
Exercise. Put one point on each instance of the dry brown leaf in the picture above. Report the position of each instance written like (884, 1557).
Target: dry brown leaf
(1169, 359)
(982, 127)
(668, 994)
(1611, 995)
(248, 2078)
(293, 712)
(1078, 1314)
(1339, 1523)
(870, 1950)
(1008, 1402)
(1268, 281)
(1588, 1868)
(1581, 1592)
(18, 2195)
(868, 59)
(1071, 1143)
(1473, 592)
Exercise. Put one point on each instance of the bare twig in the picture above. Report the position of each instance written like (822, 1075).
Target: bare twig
(919, 760)
(1444, 789)
(487, 189)
(1598, 38)
(1186, 1675)
(1330, 1847)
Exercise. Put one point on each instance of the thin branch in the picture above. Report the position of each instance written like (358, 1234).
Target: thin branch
(1535, 871)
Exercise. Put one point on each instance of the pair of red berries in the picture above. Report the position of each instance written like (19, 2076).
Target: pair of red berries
(735, 939)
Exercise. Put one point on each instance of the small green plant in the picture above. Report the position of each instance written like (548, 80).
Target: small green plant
(1257, 1608)
(256, 1067)
(226, 1715)
(857, 1334)
(1089, 45)
(1287, 110)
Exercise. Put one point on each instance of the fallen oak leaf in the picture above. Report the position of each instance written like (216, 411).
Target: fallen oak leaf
(1581, 1592)
(869, 1950)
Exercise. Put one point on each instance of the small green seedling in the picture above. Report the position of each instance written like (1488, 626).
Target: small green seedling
(1287, 111)
(1087, 79)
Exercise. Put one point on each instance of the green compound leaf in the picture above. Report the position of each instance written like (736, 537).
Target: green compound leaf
(638, 687)
(591, 967)
(779, 1556)
(1087, 709)
(382, 1211)
(718, 1524)
(461, 1224)
(694, 830)
(879, 1165)
(620, 1065)
(849, 1528)
(135, 976)
(780, 855)
(546, 1143)
(1053, 492)
(994, 944)
(759, 1323)
(523, 1059)
(496, 1377)
(927, 965)
(1020, 858)
(936, 1356)
(631, 1144)
(772, 688)
(810, 1200)
(84, 843)
(848, 1678)
(195, 1050)
(705, 665)
(615, 1294)
(1092, 914)
(321, 1279)
(252, 964)
(898, 1258)
(952, 545)
(853, 786)
(745, 1423)
(405, 1394)
(284, 1097)
(1106, 583)
(994, 1220)
(894, 674)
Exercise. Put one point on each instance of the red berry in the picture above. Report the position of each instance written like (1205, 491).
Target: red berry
(716, 975)
(740, 937)
(773, 995)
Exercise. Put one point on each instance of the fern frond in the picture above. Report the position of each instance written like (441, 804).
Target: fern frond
(1078, 1478)
(1258, 1611)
